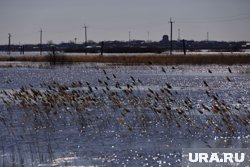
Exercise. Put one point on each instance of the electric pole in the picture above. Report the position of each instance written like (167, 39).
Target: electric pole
(41, 41)
(148, 36)
(171, 35)
(179, 34)
(207, 36)
(129, 38)
(9, 43)
(86, 39)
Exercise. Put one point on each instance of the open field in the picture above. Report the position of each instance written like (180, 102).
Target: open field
(139, 59)
(104, 114)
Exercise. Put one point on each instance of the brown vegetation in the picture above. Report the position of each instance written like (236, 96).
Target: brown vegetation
(140, 59)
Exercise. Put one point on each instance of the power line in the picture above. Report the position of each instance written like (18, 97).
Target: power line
(213, 20)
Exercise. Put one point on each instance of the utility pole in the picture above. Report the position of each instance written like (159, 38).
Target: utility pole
(207, 36)
(102, 47)
(9, 43)
(148, 36)
(86, 39)
(41, 41)
(20, 47)
(75, 40)
(179, 34)
(171, 35)
(184, 46)
(129, 38)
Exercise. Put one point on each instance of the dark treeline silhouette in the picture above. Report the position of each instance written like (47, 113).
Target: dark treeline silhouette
(134, 46)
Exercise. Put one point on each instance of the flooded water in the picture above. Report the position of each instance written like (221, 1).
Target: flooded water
(119, 115)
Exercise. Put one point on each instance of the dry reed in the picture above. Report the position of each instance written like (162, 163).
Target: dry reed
(141, 59)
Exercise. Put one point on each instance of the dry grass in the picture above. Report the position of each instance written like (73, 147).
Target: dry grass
(141, 59)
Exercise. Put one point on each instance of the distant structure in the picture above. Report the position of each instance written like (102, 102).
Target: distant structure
(171, 35)
(165, 40)
(136, 46)
(129, 38)
(9, 49)
(179, 34)
(86, 38)
(148, 36)
(41, 41)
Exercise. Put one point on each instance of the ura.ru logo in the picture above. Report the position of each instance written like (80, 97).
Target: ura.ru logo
(216, 157)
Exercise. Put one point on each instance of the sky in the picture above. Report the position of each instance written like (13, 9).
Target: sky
(63, 20)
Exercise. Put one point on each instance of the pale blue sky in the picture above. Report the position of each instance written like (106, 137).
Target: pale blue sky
(62, 20)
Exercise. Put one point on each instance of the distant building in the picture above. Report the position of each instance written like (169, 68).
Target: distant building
(165, 39)
(246, 46)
